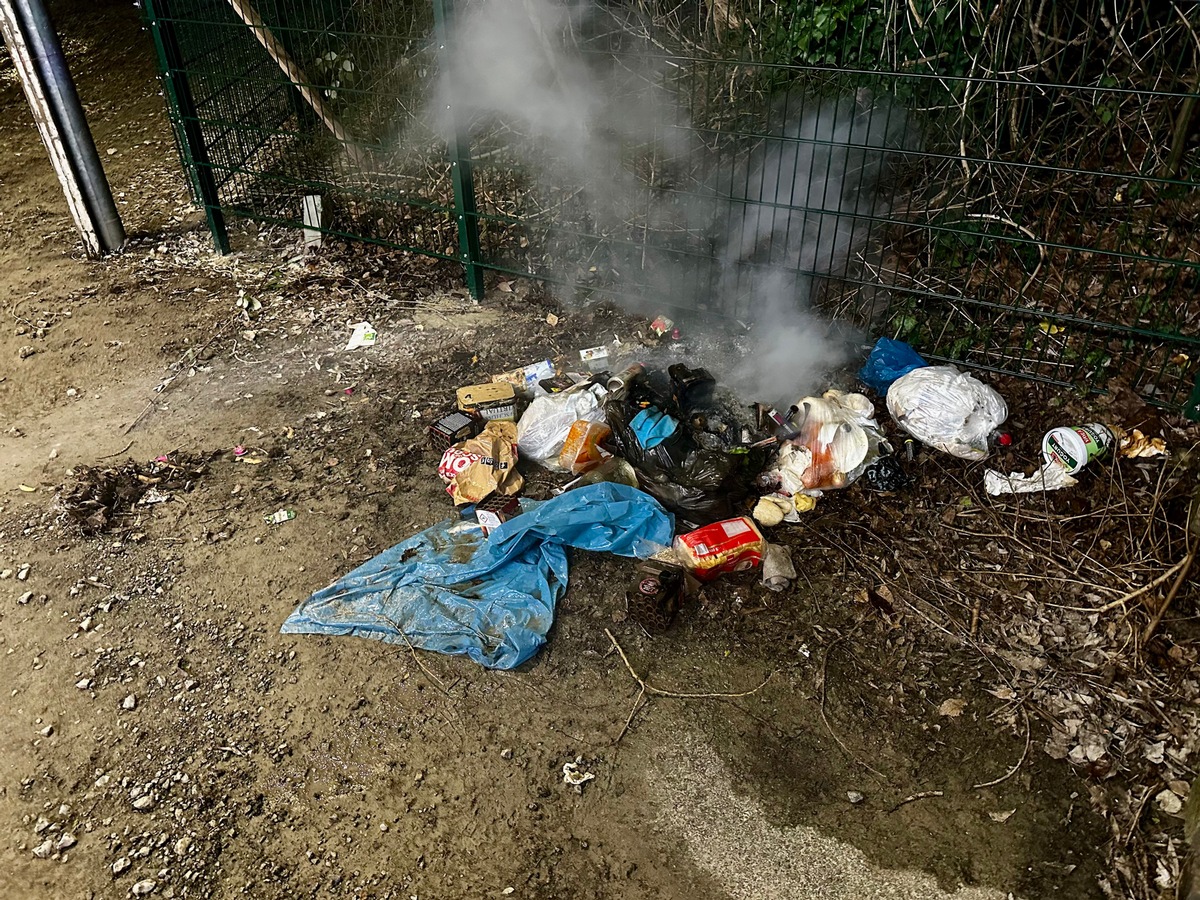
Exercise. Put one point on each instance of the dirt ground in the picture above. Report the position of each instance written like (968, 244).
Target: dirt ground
(146, 661)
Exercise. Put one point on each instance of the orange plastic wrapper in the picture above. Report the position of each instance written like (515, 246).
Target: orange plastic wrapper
(732, 545)
(493, 471)
(581, 451)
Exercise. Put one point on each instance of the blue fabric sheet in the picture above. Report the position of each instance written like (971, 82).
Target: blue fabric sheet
(452, 590)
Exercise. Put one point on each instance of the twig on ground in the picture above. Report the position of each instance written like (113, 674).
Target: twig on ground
(1020, 762)
(647, 688)
(118, 453)
(1132, 595)
(920, 795)
(1193, 533)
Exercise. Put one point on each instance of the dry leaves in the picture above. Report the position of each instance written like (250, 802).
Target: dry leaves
(952, 708)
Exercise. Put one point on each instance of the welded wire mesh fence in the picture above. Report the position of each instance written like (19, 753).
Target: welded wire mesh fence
(1016, 188)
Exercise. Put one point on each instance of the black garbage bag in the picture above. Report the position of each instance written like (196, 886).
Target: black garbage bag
(668, 455)
(701, 490)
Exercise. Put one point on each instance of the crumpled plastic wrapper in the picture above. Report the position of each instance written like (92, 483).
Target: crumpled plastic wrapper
(483, 465)
(838, 438)
(778, 570)
(1135, 445)
(1050, 477)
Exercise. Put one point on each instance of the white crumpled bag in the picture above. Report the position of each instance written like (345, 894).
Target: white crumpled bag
(837, 438)
(543, 428)
(947, 409)
(1050, 477)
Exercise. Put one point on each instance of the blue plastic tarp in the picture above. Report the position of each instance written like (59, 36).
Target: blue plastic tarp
(452, 590)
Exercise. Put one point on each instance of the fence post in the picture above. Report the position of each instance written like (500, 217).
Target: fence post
(458, 146)
(183, 106)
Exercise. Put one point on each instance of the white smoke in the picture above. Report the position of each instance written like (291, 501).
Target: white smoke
(798, 202)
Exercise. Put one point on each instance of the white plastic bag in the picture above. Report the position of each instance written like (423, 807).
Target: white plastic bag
(543, 428)
(837, 438)
(947, 409)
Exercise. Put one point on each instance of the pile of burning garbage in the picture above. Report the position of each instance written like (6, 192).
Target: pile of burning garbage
(664, 466)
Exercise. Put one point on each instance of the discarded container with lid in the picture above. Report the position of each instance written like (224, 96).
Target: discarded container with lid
(1074, 447)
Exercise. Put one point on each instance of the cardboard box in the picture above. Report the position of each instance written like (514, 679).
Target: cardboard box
(494, 401)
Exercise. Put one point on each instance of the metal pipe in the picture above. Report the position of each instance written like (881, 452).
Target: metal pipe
(63, 100)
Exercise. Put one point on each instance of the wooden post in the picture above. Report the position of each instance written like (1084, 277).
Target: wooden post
(248, 14)
(48, 127)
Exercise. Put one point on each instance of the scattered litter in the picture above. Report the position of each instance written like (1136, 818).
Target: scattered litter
(947, 409)
(827, 443)
(551, 319)
(362, 335)
(494, 401)
(733, 545)
(687, 448)
(626, 377)
(658, 591)
(279, 516)
(614, 469)
(526, 378)
(888, 361)
(482, 465)
(652, 426)
(855, 797)
(494, 511)
(1002, 817)
(835, 437)
(1135, 445)
(1050, 477)
(546, 425)
(573, 776)
(152, 496)
(581, 450)
(886, 474)
(1074, 447)
(29, 489)
(452, 590)
(592, 354)
(778, 570)
(664, 327)
(772, 509)
(452, 429)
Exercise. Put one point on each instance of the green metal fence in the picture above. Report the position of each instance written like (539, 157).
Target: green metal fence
(1033, 168)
